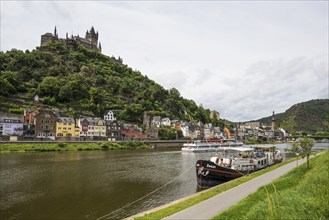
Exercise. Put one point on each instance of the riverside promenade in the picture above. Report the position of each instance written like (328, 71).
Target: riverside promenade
(215, 205)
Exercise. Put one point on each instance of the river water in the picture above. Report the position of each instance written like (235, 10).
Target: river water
(94, 184)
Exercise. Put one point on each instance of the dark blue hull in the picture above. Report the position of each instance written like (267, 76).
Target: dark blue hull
(209, 174)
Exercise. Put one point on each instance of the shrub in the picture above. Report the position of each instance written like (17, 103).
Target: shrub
(61, 145)
(104, 146)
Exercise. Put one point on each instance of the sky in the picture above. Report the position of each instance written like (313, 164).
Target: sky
(244, 59)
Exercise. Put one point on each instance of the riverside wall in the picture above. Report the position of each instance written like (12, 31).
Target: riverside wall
(153, 144)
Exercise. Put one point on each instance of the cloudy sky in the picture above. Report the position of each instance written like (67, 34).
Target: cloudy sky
(244, 59)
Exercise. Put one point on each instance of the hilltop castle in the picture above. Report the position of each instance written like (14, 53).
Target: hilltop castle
(89, 42)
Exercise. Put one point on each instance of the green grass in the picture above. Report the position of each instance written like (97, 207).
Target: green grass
(300, 194)
(206, 195)
(62, 146)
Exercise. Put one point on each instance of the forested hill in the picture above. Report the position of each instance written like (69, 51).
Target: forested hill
(308, 116)
(82, 80)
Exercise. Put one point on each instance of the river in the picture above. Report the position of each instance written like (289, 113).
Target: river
(93, 184)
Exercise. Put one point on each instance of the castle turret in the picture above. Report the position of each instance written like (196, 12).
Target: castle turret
(92, 30)
(55, 33)
(92, 36)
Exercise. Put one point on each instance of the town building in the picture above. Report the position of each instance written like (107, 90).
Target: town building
(250, 125)
(29, 115)
(92, 129)
(166, 122)
(84, 126)
(29, 126)
(114, 131)
(132, 132)
(156, 120)
(185, 129)
(45, 125)
(109, 116)
(11, 126)
(98, 129)
(67, 129)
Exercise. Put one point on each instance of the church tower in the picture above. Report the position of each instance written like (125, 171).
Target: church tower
(273, 125)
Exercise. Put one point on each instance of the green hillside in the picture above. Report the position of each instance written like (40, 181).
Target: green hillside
(82, 80)
(311, 116)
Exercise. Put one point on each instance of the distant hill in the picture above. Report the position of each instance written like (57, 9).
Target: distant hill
(310, 116)
(80, 80)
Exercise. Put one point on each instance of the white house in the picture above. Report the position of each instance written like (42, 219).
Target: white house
(109, 116)
(185, 130)
(166, 122)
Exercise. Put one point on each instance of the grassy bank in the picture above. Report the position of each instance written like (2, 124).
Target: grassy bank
(159, 214)
(300, 194)
(72, 146)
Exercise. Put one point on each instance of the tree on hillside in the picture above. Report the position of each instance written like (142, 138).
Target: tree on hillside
(87, 81)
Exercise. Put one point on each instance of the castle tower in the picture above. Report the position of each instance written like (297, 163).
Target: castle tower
(273, 126)
(92, 36)
(48, 37)
(146, 120)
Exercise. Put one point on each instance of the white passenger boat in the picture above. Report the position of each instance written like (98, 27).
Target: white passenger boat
(208, 146)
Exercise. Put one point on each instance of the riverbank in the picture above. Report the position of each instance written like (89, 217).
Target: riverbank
(182, 204)
(299, 194)
(176, 206)
(75, 146)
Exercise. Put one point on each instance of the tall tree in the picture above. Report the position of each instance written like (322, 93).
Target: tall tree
(306, 145)
(302, 146)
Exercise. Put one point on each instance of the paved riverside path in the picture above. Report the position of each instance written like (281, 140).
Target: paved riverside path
(213, 206)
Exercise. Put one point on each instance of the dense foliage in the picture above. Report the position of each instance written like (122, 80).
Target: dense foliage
(82, 80)
(311, 116)
(169, 133)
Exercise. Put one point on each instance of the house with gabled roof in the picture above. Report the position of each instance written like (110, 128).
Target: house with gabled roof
(45, 125)
(67, 129)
